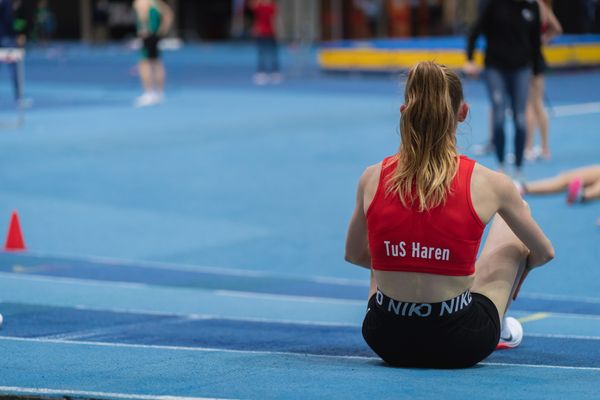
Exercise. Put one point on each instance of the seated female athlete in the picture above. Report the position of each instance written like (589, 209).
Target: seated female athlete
(419, 218)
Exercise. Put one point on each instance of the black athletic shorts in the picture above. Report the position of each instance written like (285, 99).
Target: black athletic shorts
(150, 47)
(456, 333)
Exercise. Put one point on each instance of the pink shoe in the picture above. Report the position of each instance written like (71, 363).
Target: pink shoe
(575, 190)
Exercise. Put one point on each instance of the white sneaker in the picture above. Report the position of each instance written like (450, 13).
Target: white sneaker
(530, 155)
(24, 103)
(511, 334)
(147, 99)
(260, 79)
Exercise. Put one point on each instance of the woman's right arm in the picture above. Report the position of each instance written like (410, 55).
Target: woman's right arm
(474, 32)
(548, 17)
(515, 211)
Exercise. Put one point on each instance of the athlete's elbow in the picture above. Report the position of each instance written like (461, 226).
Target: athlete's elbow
(357, 259)
(550, 254)
(351, 258)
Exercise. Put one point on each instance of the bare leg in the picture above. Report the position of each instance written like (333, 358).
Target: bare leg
(500, 266)
(159, 75)
(537, 102)
(560, 182)
(145, 69)
(530, 117)
(592, 192)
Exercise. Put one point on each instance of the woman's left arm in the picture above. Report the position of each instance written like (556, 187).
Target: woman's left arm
(167, 18)
(554, 26)
(357, 241)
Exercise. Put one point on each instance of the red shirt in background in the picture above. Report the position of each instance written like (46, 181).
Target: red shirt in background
(264, 15)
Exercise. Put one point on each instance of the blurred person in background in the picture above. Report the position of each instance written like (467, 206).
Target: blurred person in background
(263, 29)
(581, 184)
(44, 24)
(12, 35)
(154, 19)
(372, 11)
(101, 17)
(536, 113)
(512, 32)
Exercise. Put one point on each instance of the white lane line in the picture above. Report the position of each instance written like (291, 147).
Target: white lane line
(495, 364)
(287, 297)
(177, 348)
(198, 317)
(76, 281)
(84, 393)
(543, 296)
(571, 316)
(227, 271)
(223, 293)
(576, 109)
(259, 352)
(111, 331)
(559, 336)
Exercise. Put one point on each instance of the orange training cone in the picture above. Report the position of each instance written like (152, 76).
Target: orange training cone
(14, 240)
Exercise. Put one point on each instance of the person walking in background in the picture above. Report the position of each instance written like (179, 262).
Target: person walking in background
(371, 9)
(263, 29)
(154, 19)
(512, 32)
(12, 35)
(101, 18)
(45, 23)
(536, 114)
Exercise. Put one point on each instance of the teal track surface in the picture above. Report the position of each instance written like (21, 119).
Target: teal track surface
(194, 249)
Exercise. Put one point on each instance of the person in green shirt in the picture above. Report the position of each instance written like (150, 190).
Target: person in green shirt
(154, 19)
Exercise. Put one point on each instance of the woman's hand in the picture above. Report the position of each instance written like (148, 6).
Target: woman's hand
(471, 69)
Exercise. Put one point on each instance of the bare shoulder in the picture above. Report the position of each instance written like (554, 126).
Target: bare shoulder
(488, 180)
(490, 183)
(371, 172)
(369, 181)
(488, 189)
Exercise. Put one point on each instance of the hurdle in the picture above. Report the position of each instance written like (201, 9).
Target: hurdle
(15, 55)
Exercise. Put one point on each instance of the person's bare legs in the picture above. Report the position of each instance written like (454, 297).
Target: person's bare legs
(560, 182)
(159, 75)
(501, 266)
(592, 191)
(531, 122)
(145, 69)
(537, 103)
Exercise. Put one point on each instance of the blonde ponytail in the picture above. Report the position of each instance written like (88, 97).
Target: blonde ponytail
(428, 158)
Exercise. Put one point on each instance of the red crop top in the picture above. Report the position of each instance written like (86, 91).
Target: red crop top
(443, 240)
